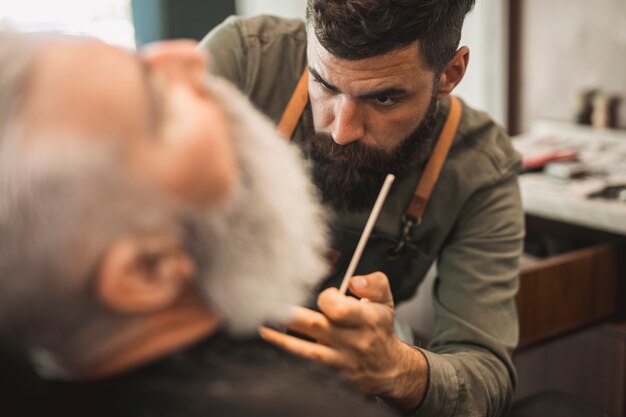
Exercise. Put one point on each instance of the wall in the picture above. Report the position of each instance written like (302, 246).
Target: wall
(485, 83)
(285, 8)
(568, 45)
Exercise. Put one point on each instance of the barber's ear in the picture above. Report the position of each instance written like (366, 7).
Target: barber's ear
(143, 273)
(453, 72)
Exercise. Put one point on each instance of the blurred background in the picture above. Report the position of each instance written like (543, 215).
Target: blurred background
(530, 59)
(553, 73)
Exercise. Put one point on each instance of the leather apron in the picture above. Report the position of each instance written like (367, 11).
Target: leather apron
(399, 257)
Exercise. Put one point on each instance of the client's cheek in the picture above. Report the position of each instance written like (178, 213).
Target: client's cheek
(197, 174)
(194, 158)
(196, 171)
(220, 154)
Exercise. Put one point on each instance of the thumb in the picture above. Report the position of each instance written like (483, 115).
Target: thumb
(374, 287)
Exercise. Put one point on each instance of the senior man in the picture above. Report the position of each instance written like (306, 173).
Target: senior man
(144, 213)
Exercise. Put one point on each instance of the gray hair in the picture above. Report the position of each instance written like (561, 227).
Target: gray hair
(59, 212)
(22, 197)
(17, 53)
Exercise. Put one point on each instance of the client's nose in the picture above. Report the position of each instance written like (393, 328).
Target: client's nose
(177, 60)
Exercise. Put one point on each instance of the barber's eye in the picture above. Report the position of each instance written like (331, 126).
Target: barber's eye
(324, 87)
(385, 101)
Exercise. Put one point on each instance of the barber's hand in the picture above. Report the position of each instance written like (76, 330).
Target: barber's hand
(358, 338)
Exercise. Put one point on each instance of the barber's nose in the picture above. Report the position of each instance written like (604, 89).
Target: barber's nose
(349, 124)
(176, 60)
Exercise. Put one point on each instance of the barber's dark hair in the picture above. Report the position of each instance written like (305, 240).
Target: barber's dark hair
(357, 29)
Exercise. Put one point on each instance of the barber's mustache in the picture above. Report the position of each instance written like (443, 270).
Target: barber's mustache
(324, 148)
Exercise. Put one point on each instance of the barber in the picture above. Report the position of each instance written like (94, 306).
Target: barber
(363, 88)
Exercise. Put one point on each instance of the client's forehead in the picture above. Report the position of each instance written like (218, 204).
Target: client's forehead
(85, 87)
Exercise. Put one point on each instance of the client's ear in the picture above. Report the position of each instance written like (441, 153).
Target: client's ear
(143, 273)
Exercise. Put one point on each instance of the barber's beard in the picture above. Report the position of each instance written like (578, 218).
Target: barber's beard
(349, 176)
(264, 249)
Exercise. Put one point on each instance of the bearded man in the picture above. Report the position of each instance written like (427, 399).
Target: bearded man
(363, 88)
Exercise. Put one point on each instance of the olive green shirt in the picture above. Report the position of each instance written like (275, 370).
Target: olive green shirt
(472, 227)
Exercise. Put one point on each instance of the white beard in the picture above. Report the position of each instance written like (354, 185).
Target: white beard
(267, 244)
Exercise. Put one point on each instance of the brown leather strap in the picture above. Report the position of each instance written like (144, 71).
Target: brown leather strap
(435, 163)
(295, 107)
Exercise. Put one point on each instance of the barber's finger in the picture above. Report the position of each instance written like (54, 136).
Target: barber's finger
(375, 287)
(309, 350)
(310, 323)
(341, 309)
(317, 326)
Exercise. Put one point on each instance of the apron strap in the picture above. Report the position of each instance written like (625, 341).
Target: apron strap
(295, 107)
(435, 163)
(417, 206)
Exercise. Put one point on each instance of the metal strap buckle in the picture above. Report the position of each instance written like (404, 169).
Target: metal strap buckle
(408, 223)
